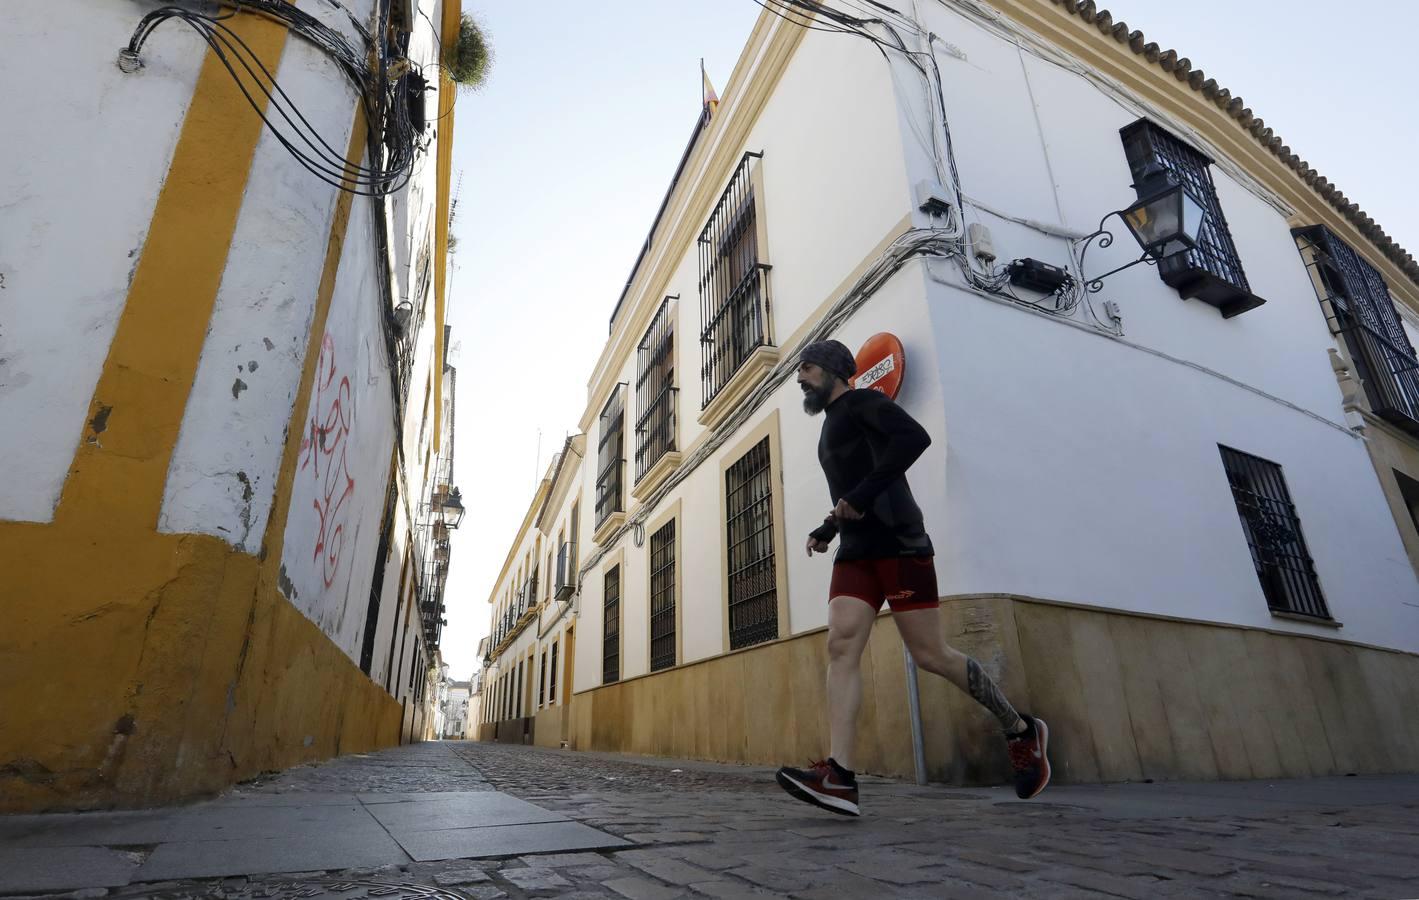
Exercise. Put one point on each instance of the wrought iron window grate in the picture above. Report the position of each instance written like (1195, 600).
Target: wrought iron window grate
(733, 289)
(656, 393)
(1216, 252)
(662, 597)
(566, 570)
(611, 628)
(610, 457)
(542, 681)
(1273, 530)
(753, 588)
(1358, 305)
(552, 677)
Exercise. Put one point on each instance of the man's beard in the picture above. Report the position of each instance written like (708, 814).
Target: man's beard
(815, 398)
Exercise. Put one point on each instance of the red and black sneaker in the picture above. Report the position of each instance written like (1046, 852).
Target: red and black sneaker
(1029, 757)
(825, 784)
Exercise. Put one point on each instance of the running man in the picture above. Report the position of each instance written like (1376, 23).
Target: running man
(884, 555)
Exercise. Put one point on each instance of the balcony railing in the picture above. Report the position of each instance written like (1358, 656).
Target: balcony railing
(566, 571)
(1390, 374)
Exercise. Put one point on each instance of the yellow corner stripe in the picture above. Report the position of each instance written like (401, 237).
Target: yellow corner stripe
(116, 479)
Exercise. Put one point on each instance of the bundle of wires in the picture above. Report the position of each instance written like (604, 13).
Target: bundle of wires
(818, 16)
(382, 93)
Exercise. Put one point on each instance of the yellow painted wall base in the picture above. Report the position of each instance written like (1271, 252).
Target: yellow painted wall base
(138, 670)
(1127, 697)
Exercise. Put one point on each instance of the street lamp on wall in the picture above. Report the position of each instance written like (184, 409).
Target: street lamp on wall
(453, 508)
(1165, 222)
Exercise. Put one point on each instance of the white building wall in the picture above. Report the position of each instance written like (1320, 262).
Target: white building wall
(221, 480)
(74, 219)
(1085, 469)
(337, 498)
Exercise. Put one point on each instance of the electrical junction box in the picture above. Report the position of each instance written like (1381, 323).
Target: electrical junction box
(978, 236)
(931, 198)
(1034, 275)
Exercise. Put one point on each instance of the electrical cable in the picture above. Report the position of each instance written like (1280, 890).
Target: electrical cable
(317, 155)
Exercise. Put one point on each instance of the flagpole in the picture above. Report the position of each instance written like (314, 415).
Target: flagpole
(702, 82)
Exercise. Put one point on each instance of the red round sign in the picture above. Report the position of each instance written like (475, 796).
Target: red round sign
(881, 364)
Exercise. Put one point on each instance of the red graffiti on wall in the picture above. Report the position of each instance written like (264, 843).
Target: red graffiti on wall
(323, 448)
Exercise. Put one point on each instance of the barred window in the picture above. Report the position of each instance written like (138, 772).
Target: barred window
(542, 680)
(1358, 303)
(662, 597)
(610, 464)
(655, 390)
(611, 628)
(552, 677)
(733, 294)
(1273, 530)
(1211, 271)
(517, 695)
(753, 589)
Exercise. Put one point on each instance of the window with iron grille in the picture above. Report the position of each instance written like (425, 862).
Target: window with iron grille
(1358, 304)
(655, 390)
(1273, 530)
(753, 589)
(517, 696)
(610, 457)
(566, 570)
(733, 290)
(611, 628)
(542, 681)
(552, 677)
(1211, 271)
(662, 597)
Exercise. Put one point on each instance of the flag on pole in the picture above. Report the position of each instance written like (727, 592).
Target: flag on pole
(707, 95)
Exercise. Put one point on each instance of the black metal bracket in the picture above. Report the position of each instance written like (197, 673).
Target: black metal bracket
(1105, 239)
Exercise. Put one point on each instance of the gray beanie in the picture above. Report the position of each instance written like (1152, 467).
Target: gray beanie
(831, 356)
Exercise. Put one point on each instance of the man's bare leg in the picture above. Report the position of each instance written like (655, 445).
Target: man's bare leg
(849, 626)
(921, 632)
(1027, 736)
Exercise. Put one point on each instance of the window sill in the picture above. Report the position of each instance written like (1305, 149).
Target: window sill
(607, 528)
(1309, 620)
(1195, 283)
(750, 374)
(668, 462)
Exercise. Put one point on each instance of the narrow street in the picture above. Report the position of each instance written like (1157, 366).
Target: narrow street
(474, 820)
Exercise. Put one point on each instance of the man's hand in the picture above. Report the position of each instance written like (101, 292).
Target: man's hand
(844, 510)
(816, 546)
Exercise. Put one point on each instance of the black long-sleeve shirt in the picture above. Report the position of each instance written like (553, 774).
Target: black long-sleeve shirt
(866, 446)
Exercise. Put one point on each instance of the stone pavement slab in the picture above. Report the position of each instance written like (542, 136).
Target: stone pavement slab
(317, 851)
(505, 840)
(34, 869)
(435, 813)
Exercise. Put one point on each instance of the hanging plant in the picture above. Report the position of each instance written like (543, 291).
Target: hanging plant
(470, 57)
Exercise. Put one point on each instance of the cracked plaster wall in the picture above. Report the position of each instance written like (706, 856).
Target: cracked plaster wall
(222, 476)
(74, 214)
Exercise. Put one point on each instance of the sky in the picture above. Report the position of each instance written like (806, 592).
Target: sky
(565, 154)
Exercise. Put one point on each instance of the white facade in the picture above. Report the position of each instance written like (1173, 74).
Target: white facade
(1074, 459)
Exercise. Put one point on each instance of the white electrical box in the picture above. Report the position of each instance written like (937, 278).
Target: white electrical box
(931, 198)
(978, 236)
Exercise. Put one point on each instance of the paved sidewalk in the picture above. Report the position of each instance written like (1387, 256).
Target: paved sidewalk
(469, 820)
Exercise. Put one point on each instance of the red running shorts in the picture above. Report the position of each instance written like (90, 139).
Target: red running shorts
(902, 582)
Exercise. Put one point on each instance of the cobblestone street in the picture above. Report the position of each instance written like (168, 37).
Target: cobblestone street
(702, 830)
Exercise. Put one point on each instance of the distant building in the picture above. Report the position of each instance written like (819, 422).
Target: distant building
(455, 716)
